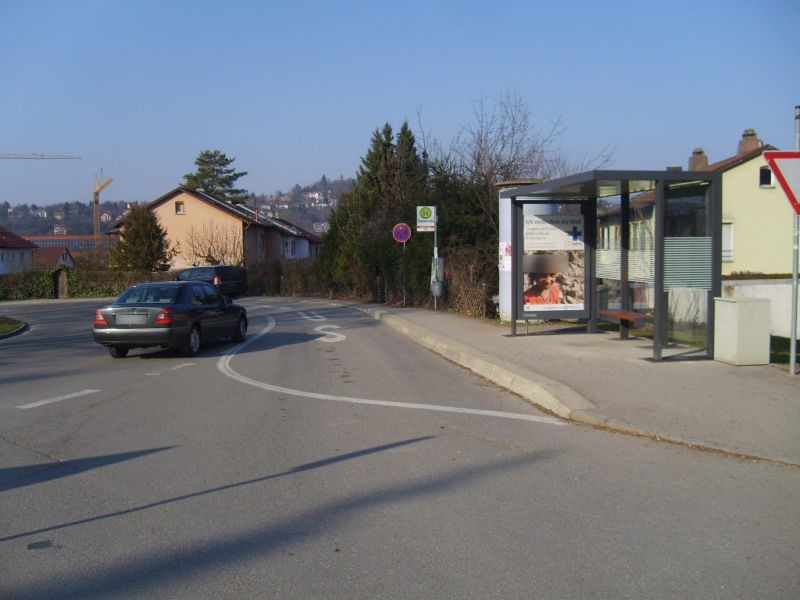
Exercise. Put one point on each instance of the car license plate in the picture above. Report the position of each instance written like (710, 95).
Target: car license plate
(131, 319)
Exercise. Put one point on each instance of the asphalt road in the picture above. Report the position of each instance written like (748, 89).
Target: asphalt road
(330, 457)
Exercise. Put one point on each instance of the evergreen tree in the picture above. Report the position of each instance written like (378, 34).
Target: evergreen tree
(144, 245)
(216, 177)
(410, 181)
(391, 181)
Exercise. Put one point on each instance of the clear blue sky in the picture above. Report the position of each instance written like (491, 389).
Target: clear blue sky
(294, 89)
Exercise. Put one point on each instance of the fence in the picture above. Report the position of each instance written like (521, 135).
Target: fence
(29, 285)
(73, 283)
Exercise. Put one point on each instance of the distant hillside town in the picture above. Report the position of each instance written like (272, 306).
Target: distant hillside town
(307, 207)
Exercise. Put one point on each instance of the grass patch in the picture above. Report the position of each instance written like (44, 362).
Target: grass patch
(8, 324)
(779, 347)
(689, 337)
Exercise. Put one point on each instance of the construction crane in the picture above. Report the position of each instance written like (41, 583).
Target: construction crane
(98, 187)
(35, 156)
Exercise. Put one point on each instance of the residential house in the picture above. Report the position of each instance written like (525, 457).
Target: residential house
(16, 253)
(757, 219)
(205, 230)
(757, 230)
(52, 257)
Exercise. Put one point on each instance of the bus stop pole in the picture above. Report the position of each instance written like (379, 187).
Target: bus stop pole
(435, 248)
(795, 259)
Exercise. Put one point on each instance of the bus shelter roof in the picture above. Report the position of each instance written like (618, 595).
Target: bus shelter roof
(603, 183)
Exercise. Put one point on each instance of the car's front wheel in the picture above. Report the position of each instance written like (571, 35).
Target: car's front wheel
(118, 352)
(192, 345)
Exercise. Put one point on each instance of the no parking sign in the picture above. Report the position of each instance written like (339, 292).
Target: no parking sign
(401, 233)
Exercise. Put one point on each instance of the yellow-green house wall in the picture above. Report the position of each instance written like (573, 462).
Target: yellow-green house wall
(261, 244)
(762, 220)
(196, 214)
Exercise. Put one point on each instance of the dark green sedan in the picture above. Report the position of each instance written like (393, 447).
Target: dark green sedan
(179, 315)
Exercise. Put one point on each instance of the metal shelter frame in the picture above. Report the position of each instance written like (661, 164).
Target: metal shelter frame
(585, 189)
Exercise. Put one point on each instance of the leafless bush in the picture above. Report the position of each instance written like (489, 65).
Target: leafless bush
(213, 244)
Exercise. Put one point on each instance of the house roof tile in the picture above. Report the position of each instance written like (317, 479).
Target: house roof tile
(647, 198)
(50, 256)
(9, 239)
(246, 214)
(734, 161)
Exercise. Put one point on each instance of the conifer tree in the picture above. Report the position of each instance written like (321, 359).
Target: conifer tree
(143, 245)
(216, 177)
(390, 182)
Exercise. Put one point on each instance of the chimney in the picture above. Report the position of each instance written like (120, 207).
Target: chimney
(698, 161)
(749, 142)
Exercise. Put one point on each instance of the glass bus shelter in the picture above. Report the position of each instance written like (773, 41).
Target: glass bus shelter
(641, 248)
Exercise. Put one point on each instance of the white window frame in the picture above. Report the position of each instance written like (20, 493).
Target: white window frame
(727, 241)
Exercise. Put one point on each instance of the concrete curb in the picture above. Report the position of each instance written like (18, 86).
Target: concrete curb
(22, 327)
(546, 393)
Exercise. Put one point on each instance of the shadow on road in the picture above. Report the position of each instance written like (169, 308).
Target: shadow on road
(17, 477)
(306, 467)
(151, 571)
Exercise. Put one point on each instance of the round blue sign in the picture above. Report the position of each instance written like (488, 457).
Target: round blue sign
(401, 233)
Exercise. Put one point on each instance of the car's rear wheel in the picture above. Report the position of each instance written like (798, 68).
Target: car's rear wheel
(192, 345)
(241, 330)
(118, 352)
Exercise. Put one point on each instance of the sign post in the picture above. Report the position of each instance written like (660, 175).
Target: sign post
(786, 167)
(402, 233)
(426, 221)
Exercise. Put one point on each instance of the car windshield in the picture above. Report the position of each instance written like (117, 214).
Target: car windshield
(166, 294)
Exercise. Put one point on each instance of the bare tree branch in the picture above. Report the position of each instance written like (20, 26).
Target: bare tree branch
(501, 144)
(214, 244)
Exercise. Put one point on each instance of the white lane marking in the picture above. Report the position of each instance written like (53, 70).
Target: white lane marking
(330, 336)
(315, 316)
(224, 366)
(58, 399)
(175, 368)
(180, 366)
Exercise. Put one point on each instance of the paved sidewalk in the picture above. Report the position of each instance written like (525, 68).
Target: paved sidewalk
(601, 380)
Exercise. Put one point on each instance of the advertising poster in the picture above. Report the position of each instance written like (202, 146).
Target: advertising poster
(553, 263)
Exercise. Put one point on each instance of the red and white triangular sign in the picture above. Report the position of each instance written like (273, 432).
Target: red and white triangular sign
(786, 166)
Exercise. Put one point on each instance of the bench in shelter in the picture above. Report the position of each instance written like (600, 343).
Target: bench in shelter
(626, 318)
